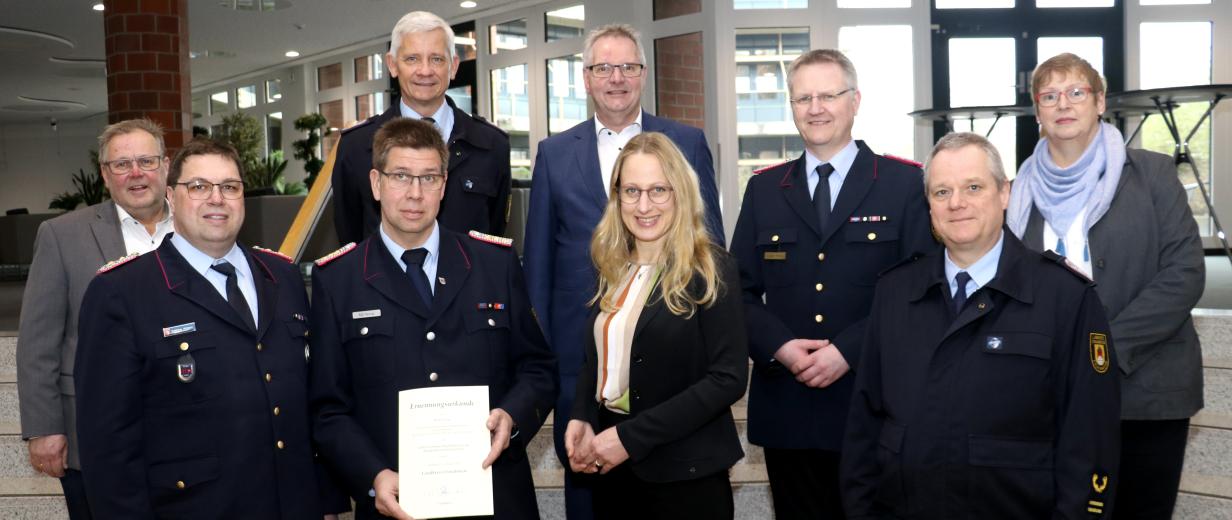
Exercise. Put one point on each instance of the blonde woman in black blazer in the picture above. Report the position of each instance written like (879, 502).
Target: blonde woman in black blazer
(665, 347)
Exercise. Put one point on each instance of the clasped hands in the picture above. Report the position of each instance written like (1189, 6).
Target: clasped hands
(816, 363)
(590, 453)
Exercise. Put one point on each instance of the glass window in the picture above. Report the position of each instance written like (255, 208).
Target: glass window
(982, 74)
(769, 4)
(1074, 3)
(220, 102)
(329, 76)
(368, 105)
(461, 97)
(664, 9)
(511, 112)
(882, 55)
(273, 90)
(508, 36)
(864, 4)
(566, 23)
(974, 4)
(1090, 48)
(566, 93)
(1176, 54)
(766, 131)
(1172, 2)
(246, 97)
(199, 106)
(332, 110)
(273, 133)
(368, 68)
(464, 44)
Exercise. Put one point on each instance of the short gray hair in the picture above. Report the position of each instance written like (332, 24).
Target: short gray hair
(821, 56)
(126, 127)
(958, 140)
(418, 22)
(616, 30)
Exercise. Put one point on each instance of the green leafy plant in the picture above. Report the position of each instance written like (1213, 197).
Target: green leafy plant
(88, 189)
(316, 126)
(264, 173)
(243, 132)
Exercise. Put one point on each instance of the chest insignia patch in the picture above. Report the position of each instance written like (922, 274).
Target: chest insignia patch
(186, 368)
(1099, 352)
(176, 330)
(993, 343)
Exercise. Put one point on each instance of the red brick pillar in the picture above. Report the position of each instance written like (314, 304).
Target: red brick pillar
(147, 65)
(679, 73)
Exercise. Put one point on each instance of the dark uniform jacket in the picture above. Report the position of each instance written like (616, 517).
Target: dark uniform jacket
(361, 363)
(686, 374)
(1011, 410)
(817, 283)
(233, 442)
(476, 193)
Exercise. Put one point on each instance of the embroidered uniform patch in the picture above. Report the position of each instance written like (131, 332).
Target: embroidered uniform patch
(1099, 352)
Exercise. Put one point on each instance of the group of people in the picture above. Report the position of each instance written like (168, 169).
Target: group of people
(924, 343)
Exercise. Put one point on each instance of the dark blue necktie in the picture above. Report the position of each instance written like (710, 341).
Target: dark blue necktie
(960, 296)
(414, 259)
(234, 297)
(821, 194)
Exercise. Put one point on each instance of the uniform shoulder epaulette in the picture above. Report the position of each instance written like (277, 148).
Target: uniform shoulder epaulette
(359, 125)
(768, 168)
(1069, 266)
(491, 125)
(903, 160)
(910, 259)
(335, 255)
(271, 252)
(117, 263)
(491, 239)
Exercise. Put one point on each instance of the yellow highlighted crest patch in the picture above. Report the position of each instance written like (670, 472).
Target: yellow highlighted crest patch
(1099, 484)
(1099, 352)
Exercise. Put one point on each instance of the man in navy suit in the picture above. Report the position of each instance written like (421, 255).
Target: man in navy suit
(812, 236)
(569, 190)
(192, 367)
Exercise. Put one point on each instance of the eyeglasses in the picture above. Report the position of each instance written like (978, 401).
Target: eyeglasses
(147, 163)
(805, 101)
(402, 181)
(1074, 95)
(201, 190)
(657, 194)
(628, 70)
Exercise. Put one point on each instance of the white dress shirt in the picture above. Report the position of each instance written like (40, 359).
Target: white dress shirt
(136, 238)
(202, 262)
(443, 118)
(610, 145)
(841, 162)
(432, 244)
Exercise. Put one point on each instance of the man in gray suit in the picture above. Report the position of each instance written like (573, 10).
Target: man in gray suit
(68, 251)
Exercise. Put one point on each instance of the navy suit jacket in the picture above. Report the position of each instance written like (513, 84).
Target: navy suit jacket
(233, 441)
(801, 281)
(567, 199)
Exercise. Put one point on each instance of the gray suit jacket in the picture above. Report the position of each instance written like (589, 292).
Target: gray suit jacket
(1147, 259)
(68, 251)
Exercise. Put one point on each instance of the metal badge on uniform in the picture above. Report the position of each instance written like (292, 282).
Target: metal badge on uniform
(176, 330)
(494, 306)
(993, 343)
(1099, 352)
(359, 315)
(870, 218)
(468, 184)
(186, 368)
(774, 255)
(299, 317)
(441, 280)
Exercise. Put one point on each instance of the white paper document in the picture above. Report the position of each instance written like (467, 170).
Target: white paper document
(442, 441)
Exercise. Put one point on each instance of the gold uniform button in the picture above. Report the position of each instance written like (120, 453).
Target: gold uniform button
(431, 335)
(363, 331)
(277, 410)
(184, 346)
(280, 445)
(819, 318)
(179, 484)
(821, 257)
(433, 377)
(268, 377)
(820, 286)
(260, 347)
(872, 236)
(491, 322)
(774, 238)
(981, 306)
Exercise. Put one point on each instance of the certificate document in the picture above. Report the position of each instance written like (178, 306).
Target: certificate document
(442, 440)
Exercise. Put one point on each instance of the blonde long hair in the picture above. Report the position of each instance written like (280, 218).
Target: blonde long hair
(687, 247)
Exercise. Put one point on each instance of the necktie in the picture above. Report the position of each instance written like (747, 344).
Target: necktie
(821, 194)
(414, 259)
(960, 296)
(234, 296)
(430, 120)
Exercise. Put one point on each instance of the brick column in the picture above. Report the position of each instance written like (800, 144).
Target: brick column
(147, 65)
(679, 73)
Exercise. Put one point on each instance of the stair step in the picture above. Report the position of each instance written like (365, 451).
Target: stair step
(1200, 507)
(33, 508)
(1215, 330)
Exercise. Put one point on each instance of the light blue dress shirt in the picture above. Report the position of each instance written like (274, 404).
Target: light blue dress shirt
(201, 263)
(982, 271)
(841, 162)
(433, 245)
(443, 117)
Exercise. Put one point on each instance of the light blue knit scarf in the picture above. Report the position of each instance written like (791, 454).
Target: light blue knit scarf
(1062, 193)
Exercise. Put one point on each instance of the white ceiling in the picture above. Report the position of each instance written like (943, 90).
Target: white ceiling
(52, 51)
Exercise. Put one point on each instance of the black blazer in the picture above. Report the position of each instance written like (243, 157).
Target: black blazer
(686, 373)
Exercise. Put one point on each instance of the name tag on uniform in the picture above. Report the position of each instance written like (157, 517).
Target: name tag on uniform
(359, 315)
(176, 330)
(775, 255)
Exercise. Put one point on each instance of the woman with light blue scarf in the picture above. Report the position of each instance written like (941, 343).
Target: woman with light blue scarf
(1121, 217)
